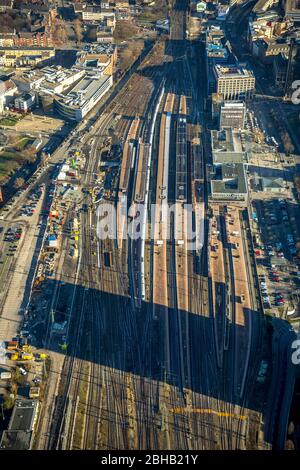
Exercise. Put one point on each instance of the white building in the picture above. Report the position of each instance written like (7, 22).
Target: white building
(82, 98)
(24, 102)
(233, 114)
(7, 90)
(54, 79)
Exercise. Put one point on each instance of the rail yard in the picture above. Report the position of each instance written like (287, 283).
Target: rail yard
(152, 319)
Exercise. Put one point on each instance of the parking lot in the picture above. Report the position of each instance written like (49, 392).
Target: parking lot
(277, 253)
(28, 209)
(10, 237)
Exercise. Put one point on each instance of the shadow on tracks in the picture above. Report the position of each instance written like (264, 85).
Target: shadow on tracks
(164, 346)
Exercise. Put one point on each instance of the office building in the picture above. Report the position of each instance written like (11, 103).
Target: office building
(19, 435)
(234, 82)
(227, 147)
(24, 102)
(83, 96)
(52, 79)
(100, 56)
(232, 114)
(229, 183)
(280, 66)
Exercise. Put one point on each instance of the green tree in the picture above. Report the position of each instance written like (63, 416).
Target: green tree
(9, 402)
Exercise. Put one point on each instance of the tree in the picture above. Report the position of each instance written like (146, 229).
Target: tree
(18, 377)
(77, 29)
(44, 157)
(59, 32)
(29, 154)
(9, 402)
(288, 146)
(91, 34)
(19, 183)
(289, 445)
(124, 30)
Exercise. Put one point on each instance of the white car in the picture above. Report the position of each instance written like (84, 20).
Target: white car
(23, 371)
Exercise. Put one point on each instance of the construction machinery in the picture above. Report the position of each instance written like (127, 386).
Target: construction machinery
(22, 354)
(41, 356)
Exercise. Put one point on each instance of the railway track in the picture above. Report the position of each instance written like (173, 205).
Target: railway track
(115, 393)
(126, 405)
(71, 361)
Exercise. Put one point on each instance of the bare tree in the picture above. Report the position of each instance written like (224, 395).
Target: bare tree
(288, 146)
(29, 154)
(77, 26)
(44, 157)
(59, 32)
(289, 445)
(19, 182)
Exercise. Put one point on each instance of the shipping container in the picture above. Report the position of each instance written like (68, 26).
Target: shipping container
(12, 345)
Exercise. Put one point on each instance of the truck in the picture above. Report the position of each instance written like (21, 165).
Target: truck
(11, 345)
(256, 239)
(5, 375)
(26, 356)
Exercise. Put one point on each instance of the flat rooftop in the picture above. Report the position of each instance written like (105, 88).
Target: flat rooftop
(233, 71)
(214, 50)
(23, 415)
(234, 105)
(230, 178)
(27, 48)
(226, 140)
(103, 48)
(292, 6)
(49, 76)
(84, 90)
(15, 440)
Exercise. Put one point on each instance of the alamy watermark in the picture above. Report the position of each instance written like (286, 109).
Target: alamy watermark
(295, 97)
(159, 222)
(296, 352)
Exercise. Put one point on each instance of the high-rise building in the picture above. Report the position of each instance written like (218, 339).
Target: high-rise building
(234, 82)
